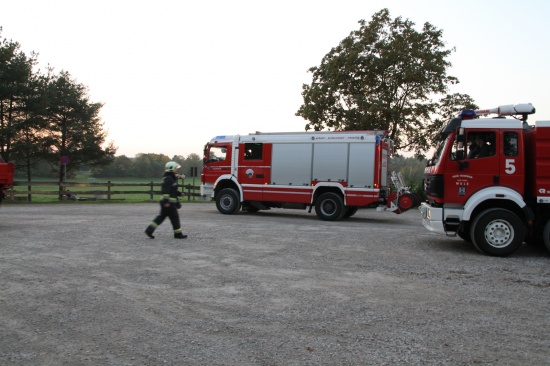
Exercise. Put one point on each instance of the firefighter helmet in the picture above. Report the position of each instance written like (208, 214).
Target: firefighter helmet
(171, 166)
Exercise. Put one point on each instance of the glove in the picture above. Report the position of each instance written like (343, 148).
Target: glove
(178, 205)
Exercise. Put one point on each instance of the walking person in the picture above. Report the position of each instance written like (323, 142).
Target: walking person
(169, 202)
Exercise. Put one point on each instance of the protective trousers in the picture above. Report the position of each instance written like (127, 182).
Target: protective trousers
(172, 213)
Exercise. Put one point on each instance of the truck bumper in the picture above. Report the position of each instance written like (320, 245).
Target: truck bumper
(432, 218)
(207, 190)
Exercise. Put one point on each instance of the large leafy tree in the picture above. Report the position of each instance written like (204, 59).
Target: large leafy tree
(21, 124)
(385, 76)
(29, 145)
(16, 93)
(74, 128)
(44, 117)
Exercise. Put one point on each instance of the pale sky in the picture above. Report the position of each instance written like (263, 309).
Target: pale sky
(173, 74)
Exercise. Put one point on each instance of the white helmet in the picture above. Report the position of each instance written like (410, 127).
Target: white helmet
(171, 166)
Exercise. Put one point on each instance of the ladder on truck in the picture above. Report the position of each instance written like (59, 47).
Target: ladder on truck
(399, 182)
(402, 199)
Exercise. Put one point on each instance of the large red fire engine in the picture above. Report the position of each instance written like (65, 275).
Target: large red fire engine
(335, 172)
(6, 178)
(489, 180)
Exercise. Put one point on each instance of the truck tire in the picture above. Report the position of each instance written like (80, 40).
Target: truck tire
(252, 209)
(349, 211)
(329, 206)
(546, 235)
(227, 201)
(464, 233)
(497, 232)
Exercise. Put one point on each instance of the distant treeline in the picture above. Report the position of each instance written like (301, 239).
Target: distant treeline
(412, 170)
(146, 166)
(140, 166)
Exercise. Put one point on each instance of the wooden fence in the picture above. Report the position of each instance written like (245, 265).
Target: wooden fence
(22, 191)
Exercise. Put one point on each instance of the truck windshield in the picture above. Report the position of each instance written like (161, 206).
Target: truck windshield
(216, 153)
(437, 154)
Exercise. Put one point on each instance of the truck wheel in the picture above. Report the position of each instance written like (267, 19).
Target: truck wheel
(227, 201)
(497, 232)
(464, 233)
(546, 235)
(350, 211)
(329, 207)
(252, 209)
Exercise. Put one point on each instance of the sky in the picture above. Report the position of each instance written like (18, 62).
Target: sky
(172, 74)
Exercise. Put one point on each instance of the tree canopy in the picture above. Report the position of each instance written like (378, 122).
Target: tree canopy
(46, 116)
(385, 76)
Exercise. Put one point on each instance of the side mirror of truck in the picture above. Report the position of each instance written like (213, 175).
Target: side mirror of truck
(461, 136)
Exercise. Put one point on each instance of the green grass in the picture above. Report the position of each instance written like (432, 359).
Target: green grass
(90, 194)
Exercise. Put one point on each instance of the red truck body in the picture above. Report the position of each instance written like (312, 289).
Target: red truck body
(497, 200)
(6, 178)
(335, 172)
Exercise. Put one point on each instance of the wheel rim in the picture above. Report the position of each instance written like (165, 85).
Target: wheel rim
(499, 233)
(328, 207)
(226, 202)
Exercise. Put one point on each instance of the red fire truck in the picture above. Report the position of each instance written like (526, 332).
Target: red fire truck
(489, 180)
(6, 178)
(335, 172)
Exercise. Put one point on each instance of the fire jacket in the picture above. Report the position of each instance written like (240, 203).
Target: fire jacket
(169, 189)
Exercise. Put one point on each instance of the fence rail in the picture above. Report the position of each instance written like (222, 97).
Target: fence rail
(18, 192)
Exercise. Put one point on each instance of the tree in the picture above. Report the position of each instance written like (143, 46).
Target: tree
(448, 107)
(20, 107)
(74, 128)
(412, 170)
(384, 76)
(15, 90)
(192, 161)
(150, 165)
(121, 167)
(29, 145)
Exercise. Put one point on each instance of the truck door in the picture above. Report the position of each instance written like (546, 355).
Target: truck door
(477, 168)
(512, 168)
(254, 169)
(217, 161)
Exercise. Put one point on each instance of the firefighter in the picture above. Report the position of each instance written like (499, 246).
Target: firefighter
(169, 202)
(480, 148)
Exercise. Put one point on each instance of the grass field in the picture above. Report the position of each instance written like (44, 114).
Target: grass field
(45, 190)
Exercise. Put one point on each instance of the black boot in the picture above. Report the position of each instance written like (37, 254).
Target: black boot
(149, 231)
(180, 236)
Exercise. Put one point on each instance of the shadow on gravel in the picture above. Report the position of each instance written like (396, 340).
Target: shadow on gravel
(461, 247)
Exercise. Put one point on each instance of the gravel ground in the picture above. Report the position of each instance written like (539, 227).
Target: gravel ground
(82, 285)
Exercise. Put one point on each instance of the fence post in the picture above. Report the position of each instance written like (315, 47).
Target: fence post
(11, 193)
(109, 190)
(188, 193)
(152, 190)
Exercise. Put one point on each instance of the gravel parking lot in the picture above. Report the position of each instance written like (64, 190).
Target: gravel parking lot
(81, 284)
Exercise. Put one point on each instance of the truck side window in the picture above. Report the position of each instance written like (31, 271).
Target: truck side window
(481, 144)
(252, 151)
(510, 143)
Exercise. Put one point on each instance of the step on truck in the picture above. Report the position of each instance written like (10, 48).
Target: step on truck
(335, 172)
(6, 178)
(489, 180)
